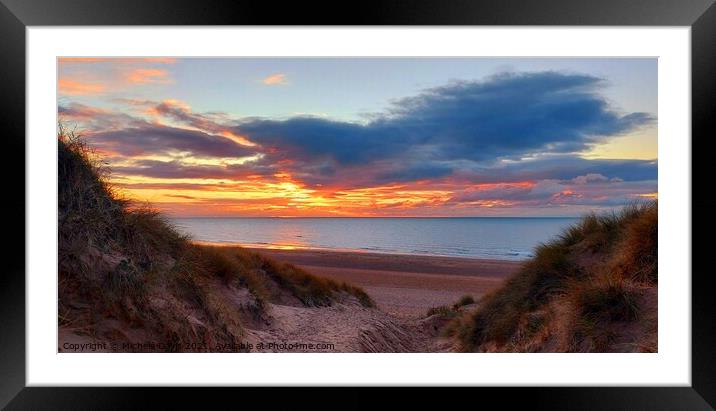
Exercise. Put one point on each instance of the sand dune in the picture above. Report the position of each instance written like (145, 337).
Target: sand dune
(404, 285)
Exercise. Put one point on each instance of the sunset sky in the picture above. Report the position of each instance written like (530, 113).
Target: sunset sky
(369, 136)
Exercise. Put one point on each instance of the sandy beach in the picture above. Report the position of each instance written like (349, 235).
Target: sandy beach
(403, 285)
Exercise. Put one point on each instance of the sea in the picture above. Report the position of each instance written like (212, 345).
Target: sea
(508, 238)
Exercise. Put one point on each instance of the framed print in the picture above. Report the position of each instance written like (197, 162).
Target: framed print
(405, 195)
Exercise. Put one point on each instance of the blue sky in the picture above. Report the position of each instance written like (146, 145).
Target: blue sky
(345, 88)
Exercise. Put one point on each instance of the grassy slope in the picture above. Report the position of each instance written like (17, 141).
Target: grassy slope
(591, 289)
(125, 275)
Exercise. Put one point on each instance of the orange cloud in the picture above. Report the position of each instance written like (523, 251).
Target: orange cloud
(278, 195)
(653, 196)
(144, 76)
(78, 88)
(487, 203)
(275, 80)
(239, 139)
(179, 109)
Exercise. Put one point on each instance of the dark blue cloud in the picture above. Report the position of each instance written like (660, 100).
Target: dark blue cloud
(416, 172)
(316, 138)
(543, 192)
(157, 139)
(177, 169)
(563, 168)
(508, 115)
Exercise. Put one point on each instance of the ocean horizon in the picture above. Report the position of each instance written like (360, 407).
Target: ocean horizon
(506, 238)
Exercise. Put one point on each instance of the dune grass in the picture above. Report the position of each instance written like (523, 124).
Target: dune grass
(451, 311)
(442, 310)
(463, 301)
(253, 270)
(593, 275)
(119, 258)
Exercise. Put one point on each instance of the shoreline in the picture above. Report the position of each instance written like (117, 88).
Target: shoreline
(294, 247)
(403, 285)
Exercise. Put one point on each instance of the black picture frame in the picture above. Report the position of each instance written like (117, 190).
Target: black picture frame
(16, 15)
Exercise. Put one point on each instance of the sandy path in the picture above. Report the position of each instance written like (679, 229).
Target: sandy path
(401, 285)
(345, 327)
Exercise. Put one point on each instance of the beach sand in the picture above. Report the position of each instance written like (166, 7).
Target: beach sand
(403, 285)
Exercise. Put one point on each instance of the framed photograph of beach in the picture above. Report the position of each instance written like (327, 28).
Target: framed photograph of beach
(405, 194)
